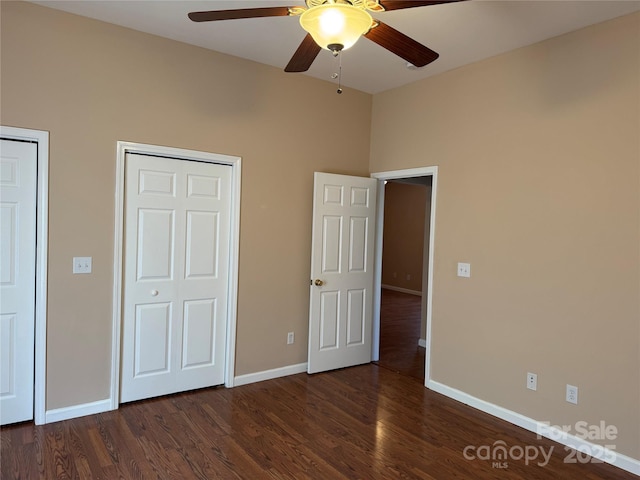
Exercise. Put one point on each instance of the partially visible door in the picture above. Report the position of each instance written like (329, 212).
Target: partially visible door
(176, 270)
(342, 259)
(18, 190)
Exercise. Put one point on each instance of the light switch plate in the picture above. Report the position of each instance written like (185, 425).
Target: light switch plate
(464, 270)
(81, 264)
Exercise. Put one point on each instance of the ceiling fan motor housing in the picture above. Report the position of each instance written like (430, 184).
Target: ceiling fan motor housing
(335, 48)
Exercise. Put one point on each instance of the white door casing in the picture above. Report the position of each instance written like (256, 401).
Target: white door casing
(428, 292)
(176, 275)
(18, 188)
(342, 264)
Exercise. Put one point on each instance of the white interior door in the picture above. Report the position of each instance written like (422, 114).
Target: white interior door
(18, 190)
(176, 275)
(342, 260)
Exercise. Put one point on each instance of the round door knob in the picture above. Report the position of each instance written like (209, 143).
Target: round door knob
(154, 293)
(318, 282)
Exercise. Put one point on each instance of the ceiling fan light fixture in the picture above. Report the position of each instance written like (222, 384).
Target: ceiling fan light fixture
(336, 24)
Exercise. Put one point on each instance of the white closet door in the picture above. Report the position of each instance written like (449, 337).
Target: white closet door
(18, 191)
(176, 270)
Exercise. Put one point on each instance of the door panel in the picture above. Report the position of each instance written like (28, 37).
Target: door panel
(355, 320)
(155, 244)
(331, 244)
(341, 308)
(18, 184)
(8, 236)
(176, 269)
(358, 244)
(152, 342)
(329, 319)
(202, 244)
(198, 347)
(203, 186)
(8, 354)
(152, 182)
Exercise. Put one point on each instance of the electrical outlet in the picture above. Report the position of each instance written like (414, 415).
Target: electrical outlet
(464, 270)
(532, 381)
(290, 338)
(572, 394)
(408, 276)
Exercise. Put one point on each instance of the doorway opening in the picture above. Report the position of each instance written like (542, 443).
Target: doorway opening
(407, 208)
(404, 278)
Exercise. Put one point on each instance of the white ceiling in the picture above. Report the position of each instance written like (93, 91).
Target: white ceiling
(461, 33)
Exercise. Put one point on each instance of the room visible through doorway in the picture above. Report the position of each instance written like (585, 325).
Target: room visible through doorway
(405, 266)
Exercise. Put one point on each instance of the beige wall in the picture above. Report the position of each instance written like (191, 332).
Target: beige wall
(538, 188)
(91, 84)
(404, 227)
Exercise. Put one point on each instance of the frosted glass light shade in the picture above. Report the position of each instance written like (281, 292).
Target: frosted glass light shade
(336, 24)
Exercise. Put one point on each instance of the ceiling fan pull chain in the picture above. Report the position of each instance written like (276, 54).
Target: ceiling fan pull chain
(339, 91)
(338, 74)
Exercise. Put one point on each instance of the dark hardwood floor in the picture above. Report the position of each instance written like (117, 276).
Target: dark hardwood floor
(365, 422)
(399, 334)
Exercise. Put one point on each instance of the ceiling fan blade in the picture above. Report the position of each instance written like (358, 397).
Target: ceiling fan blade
(304, 56)
(403, 46)
(213, 15)
(400, 4)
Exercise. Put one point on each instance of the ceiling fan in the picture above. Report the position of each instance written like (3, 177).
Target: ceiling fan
(336, 25)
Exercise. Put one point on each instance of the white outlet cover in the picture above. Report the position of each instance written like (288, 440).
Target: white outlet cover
(572, 394)
(464, 270)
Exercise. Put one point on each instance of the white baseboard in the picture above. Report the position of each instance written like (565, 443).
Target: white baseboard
(402, 290)
(75, 411)
(422, 343)
(269, 374)
(612, 457)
